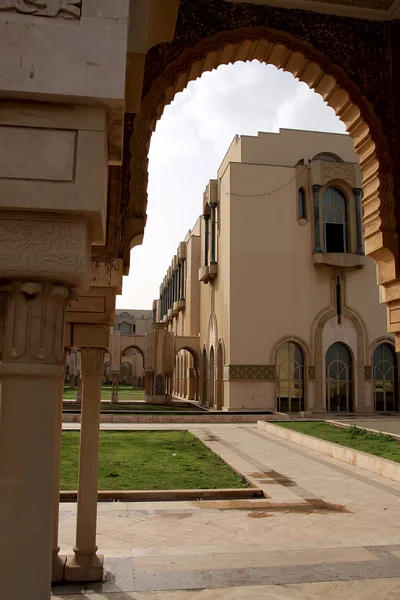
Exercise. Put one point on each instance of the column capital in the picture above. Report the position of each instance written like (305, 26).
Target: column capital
(316, 187)
(33, 316)
(92, 360)
(206, 217)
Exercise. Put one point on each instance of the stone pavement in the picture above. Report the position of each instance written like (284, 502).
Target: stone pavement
(326, 529)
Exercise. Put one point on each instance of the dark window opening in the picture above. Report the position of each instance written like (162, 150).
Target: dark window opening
(334, 235)
(301, 201)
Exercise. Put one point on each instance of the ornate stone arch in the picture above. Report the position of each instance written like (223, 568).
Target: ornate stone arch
(296, 340)
(359, 361)
(384, 339)
(321, 74)
(212, 333)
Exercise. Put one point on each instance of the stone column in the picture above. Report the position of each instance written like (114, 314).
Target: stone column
(213, 206)
(358, 196)
(206, 241)
(32, 371)
(318, 248)
(114, 392)
(182, 288)
(86, 565)
(42, 257)
(58, 562)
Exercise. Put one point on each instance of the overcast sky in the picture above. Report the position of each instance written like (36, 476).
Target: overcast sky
(189, 144)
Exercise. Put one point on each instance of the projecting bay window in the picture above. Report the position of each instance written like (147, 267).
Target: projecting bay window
(334, 217)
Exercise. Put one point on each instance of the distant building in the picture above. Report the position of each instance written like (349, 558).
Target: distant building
(274, 281)
(130, 326)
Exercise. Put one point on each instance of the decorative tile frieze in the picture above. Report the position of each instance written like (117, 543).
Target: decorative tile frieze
(312, 373)
(367, 373)
(160, 386)
(251, 372)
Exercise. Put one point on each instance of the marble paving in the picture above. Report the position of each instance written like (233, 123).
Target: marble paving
(325, 529)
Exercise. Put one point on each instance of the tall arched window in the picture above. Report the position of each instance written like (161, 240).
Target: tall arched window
(301, 204)
(338, 379)
(290, 378)
(385, 379)
(334, 218)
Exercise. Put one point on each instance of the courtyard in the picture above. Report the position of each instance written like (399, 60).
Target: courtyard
(325, 528)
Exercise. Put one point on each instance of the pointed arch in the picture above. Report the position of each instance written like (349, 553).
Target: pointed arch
(322, 75)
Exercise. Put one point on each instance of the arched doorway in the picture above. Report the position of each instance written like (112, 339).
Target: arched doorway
(385, 379)
(290, 378)
(211, 379)
(204, 378)
(134, 356)
(338, 379)
(220, 381)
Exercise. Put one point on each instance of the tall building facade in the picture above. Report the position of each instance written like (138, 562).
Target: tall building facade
(274, 280)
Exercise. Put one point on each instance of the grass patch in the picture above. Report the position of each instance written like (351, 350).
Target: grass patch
(378, 444)
(150, 460)
(124, 393)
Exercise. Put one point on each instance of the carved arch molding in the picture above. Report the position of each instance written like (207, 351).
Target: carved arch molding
(321, 74)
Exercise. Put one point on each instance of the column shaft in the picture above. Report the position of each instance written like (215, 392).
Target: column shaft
(86, 565)
(206, 240)
(213, 206)
(318, 248)
(58, 562)
(358, 197)
(31, 371)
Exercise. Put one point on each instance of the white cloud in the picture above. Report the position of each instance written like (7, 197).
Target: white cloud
(189, 143)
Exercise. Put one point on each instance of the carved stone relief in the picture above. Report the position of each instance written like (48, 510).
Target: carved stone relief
(49, 249)
(367, 373)
(342, 171)
(68, 9)
(160, 386)
(312, 373)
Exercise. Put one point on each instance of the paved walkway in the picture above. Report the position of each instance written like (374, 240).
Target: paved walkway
(326, 529)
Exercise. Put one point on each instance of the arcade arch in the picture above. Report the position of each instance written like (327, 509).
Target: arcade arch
(185, 377)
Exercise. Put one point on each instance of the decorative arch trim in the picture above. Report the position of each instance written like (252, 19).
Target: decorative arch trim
(358, 361)
(385, 339)
(295, 340)
(134, 347)
(322, 75)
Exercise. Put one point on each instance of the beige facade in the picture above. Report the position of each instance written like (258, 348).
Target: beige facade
(274, 281)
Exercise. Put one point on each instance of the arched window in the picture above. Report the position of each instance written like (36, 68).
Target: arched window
(338, 379)
(327, 156)
(124, 315)
(385, 378)
(301, 204)
(124, 328)
(334, 218)
(290, 378)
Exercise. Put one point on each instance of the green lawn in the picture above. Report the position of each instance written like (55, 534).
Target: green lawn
(150, 460)
(378, 444)
(124, 393)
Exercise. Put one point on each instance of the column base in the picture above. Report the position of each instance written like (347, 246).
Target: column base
(57, 569)
(84, 567)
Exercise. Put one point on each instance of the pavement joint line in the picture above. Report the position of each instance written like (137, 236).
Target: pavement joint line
(325, 462)
(297, 489)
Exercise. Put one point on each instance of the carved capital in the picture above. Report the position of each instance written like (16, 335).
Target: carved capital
(45, 247)
(33, 322)
(92, 361)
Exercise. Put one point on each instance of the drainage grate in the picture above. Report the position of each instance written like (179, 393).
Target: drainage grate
(180, 499)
